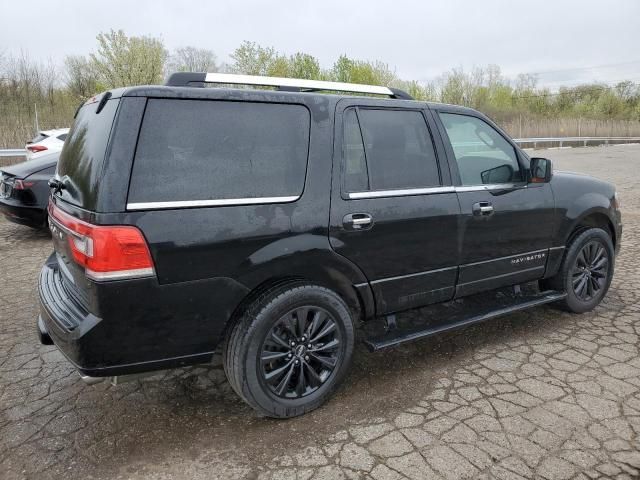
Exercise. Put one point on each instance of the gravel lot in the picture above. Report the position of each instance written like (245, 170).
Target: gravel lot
(539, 394)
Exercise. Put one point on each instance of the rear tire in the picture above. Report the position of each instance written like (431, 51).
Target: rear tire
(290, 349)
(586, 271)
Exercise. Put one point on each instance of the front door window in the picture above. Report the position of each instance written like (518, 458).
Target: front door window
(482, 154)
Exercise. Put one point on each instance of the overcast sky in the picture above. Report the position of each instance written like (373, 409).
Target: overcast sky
(565, 41)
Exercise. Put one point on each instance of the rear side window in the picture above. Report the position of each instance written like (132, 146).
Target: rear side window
(62, 137)
(391, 149)
(356, 178)
(208, 150)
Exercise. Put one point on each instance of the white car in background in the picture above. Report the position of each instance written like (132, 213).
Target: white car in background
(45, 142)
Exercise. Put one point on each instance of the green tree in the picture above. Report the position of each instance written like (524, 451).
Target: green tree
(453, 88)
(122, 60)
(608, 104)
(426, 92)
(364, 72)
(279, 67)
(341, 71)
(81, 79)
(192, 59)
(303, 65)
(252, 59)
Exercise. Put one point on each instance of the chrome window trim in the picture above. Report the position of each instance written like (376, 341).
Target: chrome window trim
(489, 186)
(221, 202)
(402, 192)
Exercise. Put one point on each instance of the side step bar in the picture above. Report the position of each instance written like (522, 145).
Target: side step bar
(399, 336)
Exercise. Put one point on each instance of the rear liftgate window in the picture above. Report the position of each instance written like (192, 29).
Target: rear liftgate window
(83, 155)
(194, 150)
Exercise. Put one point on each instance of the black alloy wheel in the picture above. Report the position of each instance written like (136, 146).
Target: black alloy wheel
(300, 352)
(290, 348)
(586, 270)
(590, 270)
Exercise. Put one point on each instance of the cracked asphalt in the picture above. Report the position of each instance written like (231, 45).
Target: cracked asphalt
(537, 394)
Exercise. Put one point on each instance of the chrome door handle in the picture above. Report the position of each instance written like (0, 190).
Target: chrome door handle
(357, 221)
(361, 221)
(482, 209)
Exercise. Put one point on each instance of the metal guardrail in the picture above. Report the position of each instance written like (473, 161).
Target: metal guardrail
(583, 140)
(21, 152)
(13, 152)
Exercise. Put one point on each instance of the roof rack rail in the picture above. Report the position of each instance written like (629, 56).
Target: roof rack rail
(185, 79)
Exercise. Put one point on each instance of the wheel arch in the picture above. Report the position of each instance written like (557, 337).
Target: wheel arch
(594, 218)
(597, 217)
(323, 268)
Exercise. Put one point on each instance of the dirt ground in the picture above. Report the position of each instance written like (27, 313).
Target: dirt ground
(538, 394)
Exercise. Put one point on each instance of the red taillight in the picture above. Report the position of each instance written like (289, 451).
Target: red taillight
(22, 185)
(36, 148)
(107, 252)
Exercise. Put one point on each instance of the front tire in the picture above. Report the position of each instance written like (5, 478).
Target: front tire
(586, 271)
(290, 349)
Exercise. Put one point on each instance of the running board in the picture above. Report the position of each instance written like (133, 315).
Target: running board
(398, 336)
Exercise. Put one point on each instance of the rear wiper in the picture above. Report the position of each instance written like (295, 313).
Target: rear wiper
(56, 185)
(103, 102)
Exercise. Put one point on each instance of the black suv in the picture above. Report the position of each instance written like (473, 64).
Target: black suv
(271, 224)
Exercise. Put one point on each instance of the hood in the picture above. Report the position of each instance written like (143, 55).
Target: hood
(24, 169)
(579, 183)
(569, 173)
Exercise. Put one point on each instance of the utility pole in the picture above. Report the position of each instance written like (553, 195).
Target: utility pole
(520, 134)
(35, 107)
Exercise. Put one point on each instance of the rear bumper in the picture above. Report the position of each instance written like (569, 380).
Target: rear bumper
(63, 320)
(31, 216)
(136, 325)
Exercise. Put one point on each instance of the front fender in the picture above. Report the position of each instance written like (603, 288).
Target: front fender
(579, 197)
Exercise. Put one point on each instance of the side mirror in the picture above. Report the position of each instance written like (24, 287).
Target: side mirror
(499, 174)
(541, 170)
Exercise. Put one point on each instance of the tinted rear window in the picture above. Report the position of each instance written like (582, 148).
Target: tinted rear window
(398, 147)
(82, 157)
(206, 150)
